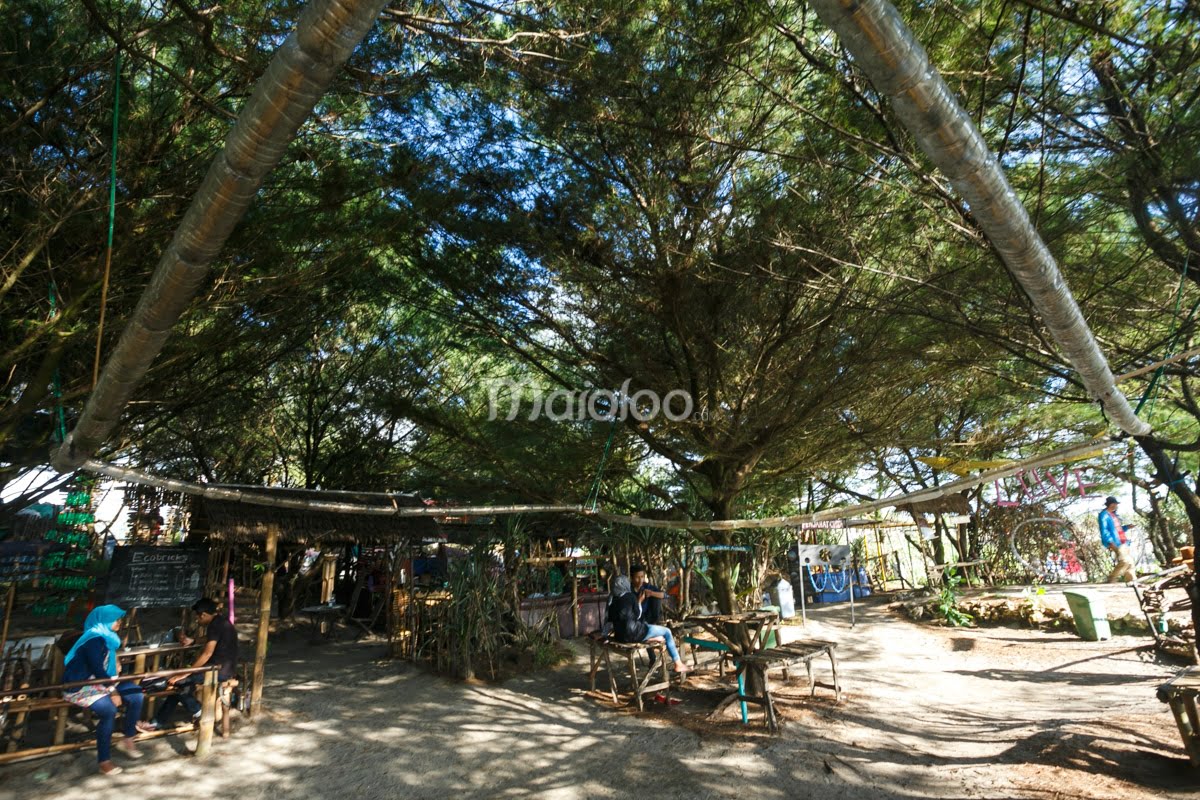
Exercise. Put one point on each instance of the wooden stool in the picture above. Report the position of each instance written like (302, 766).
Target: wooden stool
(759, 665)
(601, 649)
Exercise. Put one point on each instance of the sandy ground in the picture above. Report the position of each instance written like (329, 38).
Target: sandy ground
(929, 712)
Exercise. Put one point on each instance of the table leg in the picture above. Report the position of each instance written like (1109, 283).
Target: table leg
(741, 692)
(637, 687)
(612, 676)
(837, 684)
(666, 676)
(1186, 731)
(769, 705)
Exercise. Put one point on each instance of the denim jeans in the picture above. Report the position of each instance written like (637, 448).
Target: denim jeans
(184, 693)
(104, 708)
(658, 630)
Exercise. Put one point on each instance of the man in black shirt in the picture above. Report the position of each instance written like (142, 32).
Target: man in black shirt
(649, 595)
(220, 649)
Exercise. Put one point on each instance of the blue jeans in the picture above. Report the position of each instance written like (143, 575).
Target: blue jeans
(132, 698)
(658, 630)
(184, 693)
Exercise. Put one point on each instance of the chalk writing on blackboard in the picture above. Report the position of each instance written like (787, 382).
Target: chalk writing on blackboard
(156, 577)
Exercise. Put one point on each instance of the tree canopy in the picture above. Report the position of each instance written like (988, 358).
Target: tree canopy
(701, 196)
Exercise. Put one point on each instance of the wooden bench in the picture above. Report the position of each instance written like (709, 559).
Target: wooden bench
(602, 650)
(784, 658)
(1180, 694)
(26, 701)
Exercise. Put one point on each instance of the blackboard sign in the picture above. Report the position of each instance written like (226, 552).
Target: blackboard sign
(156, 577)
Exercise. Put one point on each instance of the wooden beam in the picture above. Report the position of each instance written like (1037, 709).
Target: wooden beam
(264, 620)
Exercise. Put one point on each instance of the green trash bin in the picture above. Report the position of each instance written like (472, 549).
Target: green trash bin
(1091, 618)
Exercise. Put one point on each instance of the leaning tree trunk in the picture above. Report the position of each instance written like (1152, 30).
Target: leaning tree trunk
(1165, 472)
(886, 50)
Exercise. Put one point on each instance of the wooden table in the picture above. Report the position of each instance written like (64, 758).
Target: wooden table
(321, 615)
(1180, 693)
(759, 625)
(154, 652)
(728, 631)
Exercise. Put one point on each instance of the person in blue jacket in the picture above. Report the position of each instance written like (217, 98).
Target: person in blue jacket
(94, 655)
(1114, 537)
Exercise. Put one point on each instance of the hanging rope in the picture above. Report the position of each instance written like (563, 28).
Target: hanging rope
(112, 214)
(60, 419)
(593, 498)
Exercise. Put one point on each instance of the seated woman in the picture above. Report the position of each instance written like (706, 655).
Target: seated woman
(625, 617)
(94, 655)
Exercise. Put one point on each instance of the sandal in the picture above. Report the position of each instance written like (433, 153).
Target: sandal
(130, 749)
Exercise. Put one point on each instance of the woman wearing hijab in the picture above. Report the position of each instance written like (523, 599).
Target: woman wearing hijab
(625, 617)
(94, 655)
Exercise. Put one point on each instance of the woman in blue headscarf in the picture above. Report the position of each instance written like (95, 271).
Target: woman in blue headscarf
(94, 655)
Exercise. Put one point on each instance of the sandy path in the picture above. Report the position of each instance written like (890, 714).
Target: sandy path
(996, 713)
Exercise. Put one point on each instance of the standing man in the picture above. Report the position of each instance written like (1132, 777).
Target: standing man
(220, 649)
(1114, 537)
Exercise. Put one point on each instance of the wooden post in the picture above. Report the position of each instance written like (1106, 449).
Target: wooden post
(208, 713)
(574, 600)
(264, 620)
(8, 606)
(133, 626)
(328, 574)
(685, 582)
(60, 715)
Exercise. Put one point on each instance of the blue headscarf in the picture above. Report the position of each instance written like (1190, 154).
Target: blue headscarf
(99, 625)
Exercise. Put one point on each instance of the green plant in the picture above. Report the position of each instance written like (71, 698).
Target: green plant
(1031, 604)
(948, 601)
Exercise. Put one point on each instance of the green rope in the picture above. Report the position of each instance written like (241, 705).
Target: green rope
(593, 497)
(56, 383)
(112, 175)
(1149, 395)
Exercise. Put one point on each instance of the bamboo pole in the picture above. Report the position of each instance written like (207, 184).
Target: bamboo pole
(1151, 367)
(884, 48)
(38, 752)
(208, 714)
(60, 715)
(8, 606)
(386, 508)
(1077, 450)
(574, 603)
(11, 696)
(264, 621)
